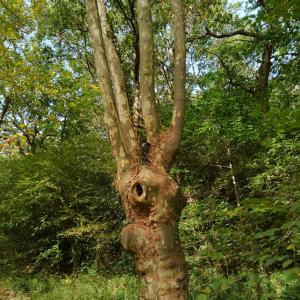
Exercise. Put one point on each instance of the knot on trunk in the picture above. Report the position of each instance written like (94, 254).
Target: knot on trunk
(134, 237)
(151, 197)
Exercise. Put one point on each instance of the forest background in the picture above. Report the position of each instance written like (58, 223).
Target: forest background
(60, 218)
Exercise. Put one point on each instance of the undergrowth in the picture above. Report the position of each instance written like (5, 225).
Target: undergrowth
(209, 285)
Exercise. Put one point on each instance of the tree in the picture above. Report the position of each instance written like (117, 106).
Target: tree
(254, 48)
(152, 200)
(44, 87)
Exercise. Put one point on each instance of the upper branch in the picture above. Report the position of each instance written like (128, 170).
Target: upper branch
(103, 73)
(230, 34)
(118, 79)
(147, 70)
(262, 79)
(264, 68)
(179, 69)
(169, 144)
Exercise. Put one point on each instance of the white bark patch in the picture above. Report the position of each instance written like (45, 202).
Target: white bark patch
(122, 152)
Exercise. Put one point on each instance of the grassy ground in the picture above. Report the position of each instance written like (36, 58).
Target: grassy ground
(83, 287)
(90, 285)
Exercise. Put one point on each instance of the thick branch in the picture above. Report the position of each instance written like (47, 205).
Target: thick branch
(147, 70)
(265, 68)
(179, 74)
(118, 79)
(170, 141)
(262, 80)
(230, 34)
(111, 115)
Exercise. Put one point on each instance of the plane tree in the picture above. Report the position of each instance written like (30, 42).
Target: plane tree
(151, 198)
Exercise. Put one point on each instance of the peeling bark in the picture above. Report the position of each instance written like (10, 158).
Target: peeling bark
(147, 70)
(119, 86)
(151, 199)
(103, 73)
(153, 202)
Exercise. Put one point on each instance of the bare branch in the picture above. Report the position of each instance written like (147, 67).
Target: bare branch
(118, 79)
(170, 141)
(167, 76)
(103, 73)
(147, 70)
(130, 16)
(179, 72)
(230, 34)
(8, 8)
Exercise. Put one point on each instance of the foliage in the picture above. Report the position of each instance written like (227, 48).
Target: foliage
(210, 284)
(58, 211)
(60, 201)
(90, 285)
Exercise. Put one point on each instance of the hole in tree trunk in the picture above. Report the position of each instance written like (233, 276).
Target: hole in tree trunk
(139, 190)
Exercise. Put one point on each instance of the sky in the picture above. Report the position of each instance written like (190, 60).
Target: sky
(242, 11)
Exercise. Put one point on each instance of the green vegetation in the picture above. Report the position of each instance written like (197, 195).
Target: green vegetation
(84, 286)
(210, 284)
(60, 218)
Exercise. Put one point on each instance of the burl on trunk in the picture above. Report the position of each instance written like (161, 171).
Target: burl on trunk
(152, 200)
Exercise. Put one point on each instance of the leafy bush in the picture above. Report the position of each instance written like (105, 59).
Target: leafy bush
(58, 208)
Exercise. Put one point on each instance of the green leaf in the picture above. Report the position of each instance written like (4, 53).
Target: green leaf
(287, 263)
(267, 233)
(271, 261)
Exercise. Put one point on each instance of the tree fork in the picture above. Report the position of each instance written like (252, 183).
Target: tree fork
(151, 199)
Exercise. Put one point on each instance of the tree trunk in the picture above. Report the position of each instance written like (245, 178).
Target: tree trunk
(153, 203)
(150, 197)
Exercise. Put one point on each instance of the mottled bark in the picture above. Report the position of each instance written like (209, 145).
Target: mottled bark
(151, 199)
(119, 86)
(175, 130)
(104, 76)
(153, 202)
(147, 70)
